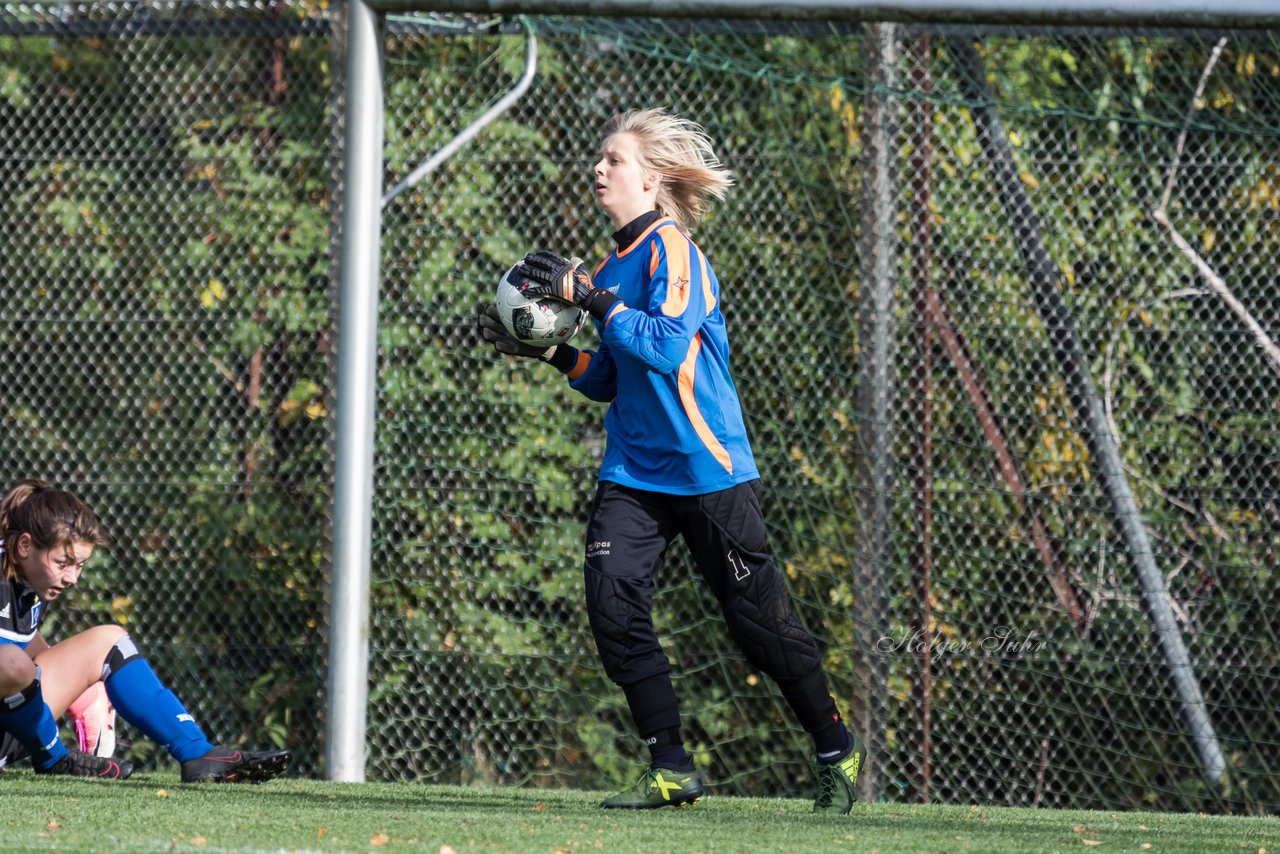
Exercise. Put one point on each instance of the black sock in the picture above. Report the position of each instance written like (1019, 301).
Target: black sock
(813, 706)
(833, 743)
(670, 753)
(655, 710)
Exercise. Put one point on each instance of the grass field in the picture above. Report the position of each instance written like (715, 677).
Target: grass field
(154, 812)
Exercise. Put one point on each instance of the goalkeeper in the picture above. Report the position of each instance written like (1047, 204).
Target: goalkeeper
(677, 461)
(47, 538)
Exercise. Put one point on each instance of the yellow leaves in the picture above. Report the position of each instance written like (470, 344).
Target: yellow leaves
(215, 292)
(379, 839)
(305, 398)
(1241, 516)
(1061, 455)
(1208, 238)
(162, 793)
(1029, 179)
(290, 409)
(121, 609)
(1015, 139)
(841, 106)
(1080, 828)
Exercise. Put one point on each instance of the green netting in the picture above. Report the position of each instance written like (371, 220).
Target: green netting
(168, 206)
(1048, 712)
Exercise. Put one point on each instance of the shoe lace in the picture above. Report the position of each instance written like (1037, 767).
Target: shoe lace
(648, 781)
(827, 785)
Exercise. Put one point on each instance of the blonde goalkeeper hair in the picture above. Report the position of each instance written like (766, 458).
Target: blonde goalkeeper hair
(680, 152)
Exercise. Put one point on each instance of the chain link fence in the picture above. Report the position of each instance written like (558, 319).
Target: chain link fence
(1051, 348)
(164, 261)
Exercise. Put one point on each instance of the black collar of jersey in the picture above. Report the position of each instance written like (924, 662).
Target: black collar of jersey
(627, 235)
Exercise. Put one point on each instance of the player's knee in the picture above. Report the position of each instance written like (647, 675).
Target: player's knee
(16, 669)
(782, 650)
(102, 639)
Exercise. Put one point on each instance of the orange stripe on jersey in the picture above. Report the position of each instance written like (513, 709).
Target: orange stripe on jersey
(706, 283)
(659, 224)
(690, 403)
(678, 271)
(580, 365)
(617, 308)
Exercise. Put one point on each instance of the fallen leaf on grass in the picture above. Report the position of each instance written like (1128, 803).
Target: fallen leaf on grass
(1091, 841)
(379, 839)
(540, 808)
(198, 840)
(320, 832)
(162, 793)
(54, 824)
(1146, 846)
(447, 849)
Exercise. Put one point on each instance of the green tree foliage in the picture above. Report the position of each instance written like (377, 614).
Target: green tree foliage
(166, 273)
(166, 314)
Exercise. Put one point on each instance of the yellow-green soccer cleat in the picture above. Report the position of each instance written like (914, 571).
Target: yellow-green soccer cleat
(659, 787)
(838, 781)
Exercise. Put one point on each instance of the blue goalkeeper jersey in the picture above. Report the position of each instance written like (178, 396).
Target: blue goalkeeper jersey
(674, 422)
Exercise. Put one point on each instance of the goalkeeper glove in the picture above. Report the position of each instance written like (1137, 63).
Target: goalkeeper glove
(546, 274)
(562, 356)
(492, 330)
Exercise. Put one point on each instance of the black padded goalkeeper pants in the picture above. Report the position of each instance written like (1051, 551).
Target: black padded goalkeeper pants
(627, 537)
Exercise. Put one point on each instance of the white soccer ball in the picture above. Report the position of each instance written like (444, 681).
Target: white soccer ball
(538, 322)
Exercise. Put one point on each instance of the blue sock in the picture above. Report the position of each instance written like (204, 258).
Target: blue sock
(28, 718)
(143, 701)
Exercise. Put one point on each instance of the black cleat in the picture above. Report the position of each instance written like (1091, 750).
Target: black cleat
(77, 764)
(228, 765)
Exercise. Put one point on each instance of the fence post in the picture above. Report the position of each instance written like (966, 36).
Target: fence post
(348, 689)
(875, 396)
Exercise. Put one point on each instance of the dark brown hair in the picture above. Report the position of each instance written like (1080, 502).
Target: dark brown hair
(51, 516)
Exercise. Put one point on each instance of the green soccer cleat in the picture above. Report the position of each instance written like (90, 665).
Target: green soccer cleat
(659, 787)
(838, 781)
